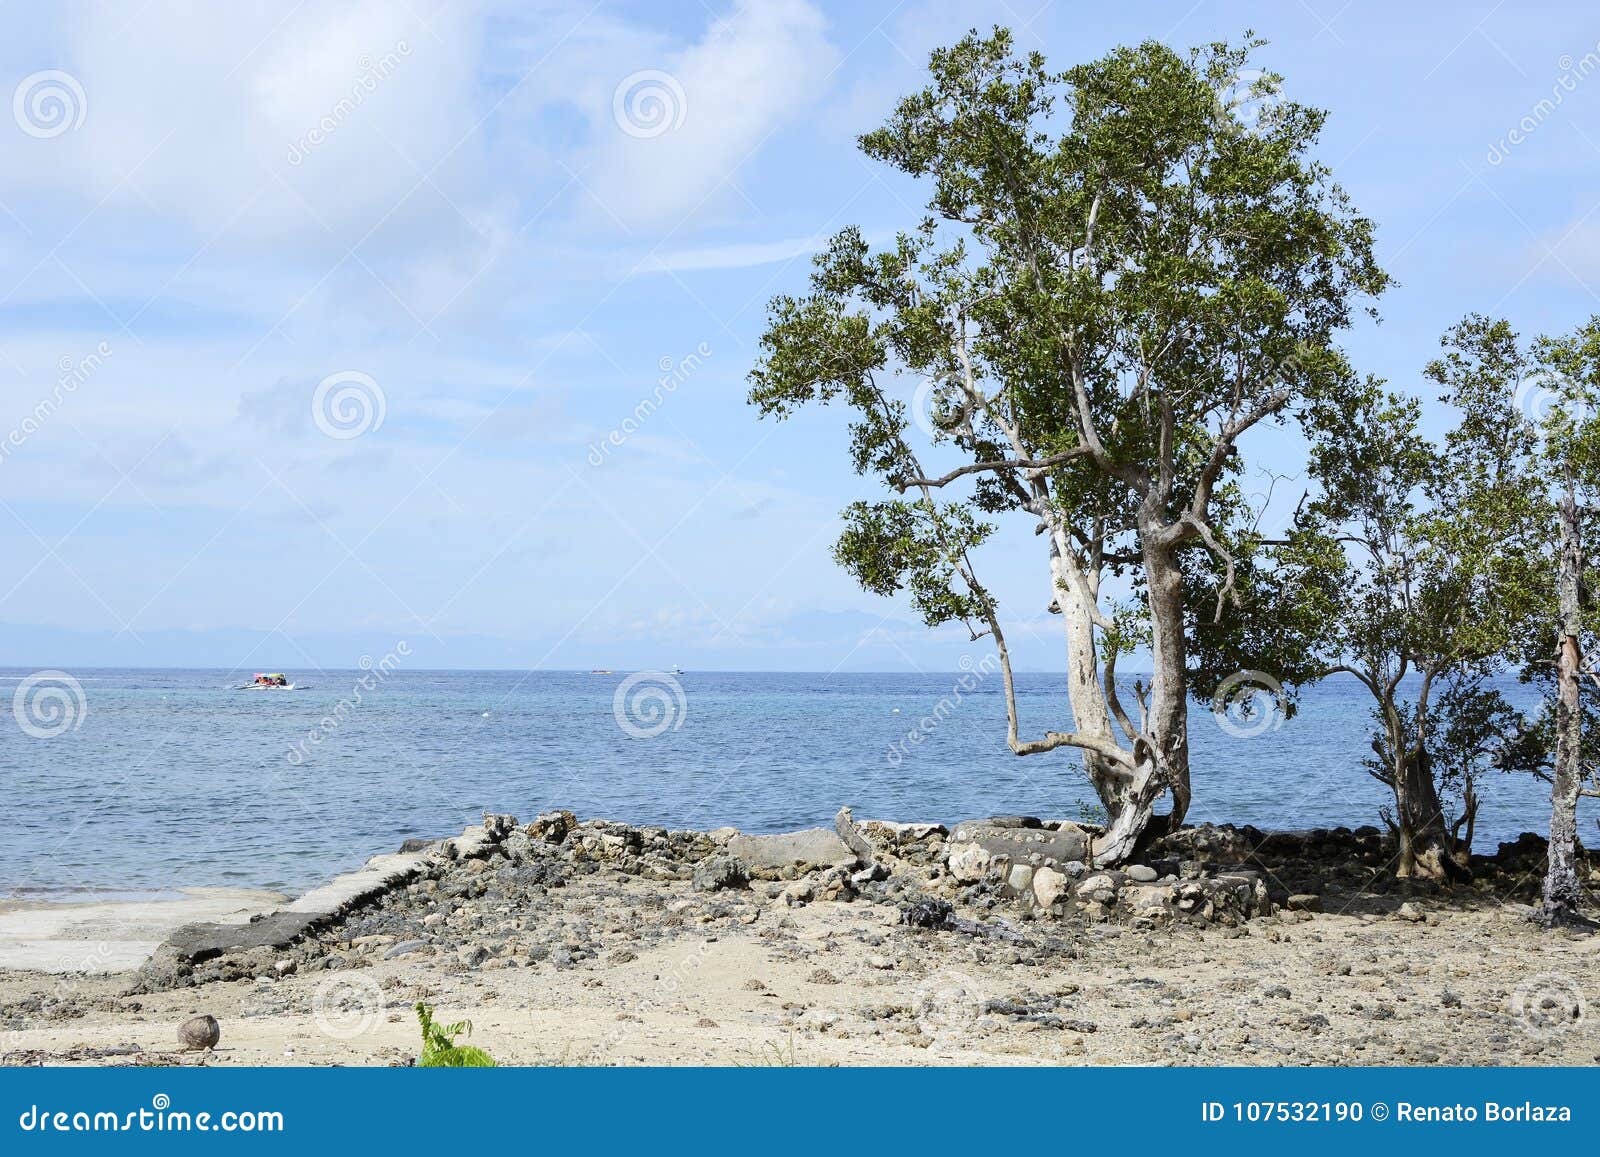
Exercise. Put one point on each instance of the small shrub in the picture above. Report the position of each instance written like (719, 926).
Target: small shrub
(439, 1048)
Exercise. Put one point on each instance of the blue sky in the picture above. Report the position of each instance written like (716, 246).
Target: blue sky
(478, 222)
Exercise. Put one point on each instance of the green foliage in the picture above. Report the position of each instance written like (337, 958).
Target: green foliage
(1114, 280)
(439, 1048)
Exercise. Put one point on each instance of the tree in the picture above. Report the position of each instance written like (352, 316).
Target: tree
(1116, 280)
(1434, 550)
(1563, 395)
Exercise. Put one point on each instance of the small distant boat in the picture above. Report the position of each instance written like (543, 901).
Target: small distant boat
(676, 671)
(270, 681)
(601, 671)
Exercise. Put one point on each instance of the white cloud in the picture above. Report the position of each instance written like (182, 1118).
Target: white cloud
(755, 70)
(240, 118)
(740, 255)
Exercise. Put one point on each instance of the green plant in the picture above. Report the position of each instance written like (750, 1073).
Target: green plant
(439, 1048)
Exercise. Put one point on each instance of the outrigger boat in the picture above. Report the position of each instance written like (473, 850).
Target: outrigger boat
(269, 681)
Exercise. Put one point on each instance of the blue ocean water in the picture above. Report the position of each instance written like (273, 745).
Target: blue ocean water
(169, 778)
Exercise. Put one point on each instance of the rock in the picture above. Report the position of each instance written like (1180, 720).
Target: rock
(1450, 999)
(416, 845)
(932, 913)
(473, 955)
(798, 894)
(1141, 873)
(1021, 878)
(822, 976)
(715, 873)
(1048, 886)
(968, 863)
(1304, 902)
(844, 826)
(200, 1032)
(870, 875)
(1100, 888)
(552, 827)
(408, 947)
(810, 848)
(882, 963)
(1025, 845)
(1409, 911)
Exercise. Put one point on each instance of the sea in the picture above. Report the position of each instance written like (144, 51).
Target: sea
(118, 782)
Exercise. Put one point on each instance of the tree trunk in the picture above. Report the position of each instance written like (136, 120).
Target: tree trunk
(1168, 723)
(1561, 891)
(1090, 714)
(1426, 849)
(1163, 764)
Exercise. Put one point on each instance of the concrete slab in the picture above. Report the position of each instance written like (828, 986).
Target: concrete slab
(115, 935)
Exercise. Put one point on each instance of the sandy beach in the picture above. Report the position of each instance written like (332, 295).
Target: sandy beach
(577, 950)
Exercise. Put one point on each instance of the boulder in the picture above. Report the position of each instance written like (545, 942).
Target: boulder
(1048, 886)
(968, 863)
(552, 827)
(1100, 888)
(1025, 845)
(810, 848)
(715, 873)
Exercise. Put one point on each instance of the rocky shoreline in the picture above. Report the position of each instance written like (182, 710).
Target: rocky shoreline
(988, 941)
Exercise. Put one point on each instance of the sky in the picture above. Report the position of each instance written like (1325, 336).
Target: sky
(323, 326)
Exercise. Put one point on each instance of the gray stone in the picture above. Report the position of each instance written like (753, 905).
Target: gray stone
(406, 948)
(1025, 845)
(1141, 873)
(1021, 878)
(715, 873)
(811, 847)
(1305, 902)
